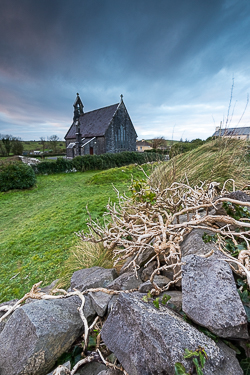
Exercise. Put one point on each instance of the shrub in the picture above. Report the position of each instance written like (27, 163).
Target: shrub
(16, 176)
(96, 162)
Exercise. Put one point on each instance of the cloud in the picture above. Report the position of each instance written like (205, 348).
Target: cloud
(174, 62)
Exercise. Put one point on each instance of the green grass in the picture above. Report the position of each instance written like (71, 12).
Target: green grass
(37, 146)
(114, 175)
(217, 160)
(37, 226)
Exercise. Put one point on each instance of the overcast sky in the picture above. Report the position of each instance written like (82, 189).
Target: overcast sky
(174, 61)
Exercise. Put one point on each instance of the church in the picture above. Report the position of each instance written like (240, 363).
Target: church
(104, 130)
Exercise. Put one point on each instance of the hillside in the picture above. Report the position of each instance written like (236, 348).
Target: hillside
(38, 225)
(217, 160)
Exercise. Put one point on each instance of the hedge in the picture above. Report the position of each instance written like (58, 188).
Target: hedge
(16, 176)
(95, 162)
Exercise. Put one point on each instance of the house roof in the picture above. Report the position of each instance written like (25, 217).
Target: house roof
(94, 123)
(143, 143)
(232, 132)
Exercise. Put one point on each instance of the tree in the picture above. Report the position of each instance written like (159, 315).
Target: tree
(158, 142)
(7, 143)
(17, 146)
(53, 139)
(2, 148)
(43, 142)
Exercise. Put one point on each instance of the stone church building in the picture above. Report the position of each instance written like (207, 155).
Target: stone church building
(104, 130)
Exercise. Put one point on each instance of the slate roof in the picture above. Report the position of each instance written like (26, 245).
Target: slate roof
(94, 123)
(143, 143)
(232, 132)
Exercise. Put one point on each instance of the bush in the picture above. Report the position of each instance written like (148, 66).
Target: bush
(16, 176)
(96, 162)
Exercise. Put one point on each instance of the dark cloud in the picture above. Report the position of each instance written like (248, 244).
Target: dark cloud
(162, 55)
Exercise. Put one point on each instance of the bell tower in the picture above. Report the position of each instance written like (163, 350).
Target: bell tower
(78, 111)
(78, 107)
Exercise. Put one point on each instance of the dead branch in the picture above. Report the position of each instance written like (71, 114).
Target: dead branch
(137, 225)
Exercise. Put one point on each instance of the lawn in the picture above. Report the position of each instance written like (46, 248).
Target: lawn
(37, 226)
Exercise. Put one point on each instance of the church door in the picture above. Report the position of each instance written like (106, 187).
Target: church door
(91, 151)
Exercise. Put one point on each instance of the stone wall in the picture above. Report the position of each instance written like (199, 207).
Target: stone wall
(121, 135)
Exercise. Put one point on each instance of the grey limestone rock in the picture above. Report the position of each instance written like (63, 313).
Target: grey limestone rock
(126, 281)
(48, 288)
(93, 368)
(160, 280)
(145, 256)
(94, 277)
(146, 287)
(8, 303)
(210, 297)
(239, 195)
(125, 267)
(150, 341)
(194, 244)
(100, 302)
(111, 372)
(147, 271)
(142, 259)
(112, 302)
(176, 298)
(37, 334)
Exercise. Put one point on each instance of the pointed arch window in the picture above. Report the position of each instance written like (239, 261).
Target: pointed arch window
(121, 136)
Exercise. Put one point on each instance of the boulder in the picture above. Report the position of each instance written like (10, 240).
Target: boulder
(111, 372)
(100, 302)
(150, 341)
(94, 277)
(142, 259)
(160, 280)
(147, 271)
(239, 195)
(210, 297)
(8, 303)
(126, 281)
(93, 368)
(194, 244)
(38, 333)
(146, 287)
(112, 302)
(48, 288)
(176, 298)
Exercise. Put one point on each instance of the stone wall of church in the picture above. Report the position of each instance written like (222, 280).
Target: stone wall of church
(120, 135)
(97, 146)
(70, 151)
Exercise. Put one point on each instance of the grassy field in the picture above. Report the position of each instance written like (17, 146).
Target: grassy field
(217, 160)
(37, 226)
(37, 146)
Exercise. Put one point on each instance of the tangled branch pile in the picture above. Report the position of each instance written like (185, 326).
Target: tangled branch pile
(154, 222)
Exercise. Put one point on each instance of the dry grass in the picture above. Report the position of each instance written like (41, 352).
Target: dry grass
(84, 255)
(218, 160)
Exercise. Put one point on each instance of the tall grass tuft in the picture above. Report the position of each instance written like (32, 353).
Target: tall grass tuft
(218, 160)
(84, 255)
